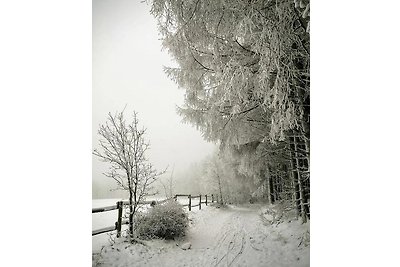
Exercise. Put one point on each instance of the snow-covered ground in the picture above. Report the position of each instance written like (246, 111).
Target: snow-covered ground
(108, 218)
(235, 236)
(101, 220)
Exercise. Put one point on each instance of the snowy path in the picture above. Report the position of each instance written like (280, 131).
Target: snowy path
(225, 237)
(222, 237)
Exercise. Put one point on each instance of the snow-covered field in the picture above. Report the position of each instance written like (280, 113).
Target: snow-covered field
(101, 220)
(108, 218)
(234, 236)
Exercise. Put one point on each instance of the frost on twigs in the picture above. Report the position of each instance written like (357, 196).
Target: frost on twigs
(123, 146)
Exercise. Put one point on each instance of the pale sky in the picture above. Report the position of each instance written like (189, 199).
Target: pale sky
(128, 70)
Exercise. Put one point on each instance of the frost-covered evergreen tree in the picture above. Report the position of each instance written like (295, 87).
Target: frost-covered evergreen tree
(244, 66)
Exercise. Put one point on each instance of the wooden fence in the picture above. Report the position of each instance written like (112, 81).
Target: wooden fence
(120, 204)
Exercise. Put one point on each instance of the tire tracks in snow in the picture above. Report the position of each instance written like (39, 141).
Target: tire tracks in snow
(233, 240)
(225, 237)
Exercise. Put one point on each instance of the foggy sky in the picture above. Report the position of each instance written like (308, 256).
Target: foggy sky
(128, 70)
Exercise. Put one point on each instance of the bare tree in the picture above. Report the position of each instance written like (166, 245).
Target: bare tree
(168, 185)
(214, 173)
(124, 146)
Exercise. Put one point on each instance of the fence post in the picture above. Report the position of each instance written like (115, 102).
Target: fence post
(119, 222)
(176, 198)
(190, 202)
(206, 201)
(200, 202)
(212, 198)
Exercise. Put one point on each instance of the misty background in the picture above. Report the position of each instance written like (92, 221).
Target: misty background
(128, 71)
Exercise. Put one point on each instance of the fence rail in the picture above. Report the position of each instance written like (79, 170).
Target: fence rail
(120, 204)
(148, 202)
(103, 230)
(95, 210)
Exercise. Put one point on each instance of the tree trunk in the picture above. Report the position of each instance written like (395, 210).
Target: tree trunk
(299, 181)
(294, 178)
(269, 186)
(272, 189)
(220, 189)
(296, 194)
(130, 213)
(307, 170)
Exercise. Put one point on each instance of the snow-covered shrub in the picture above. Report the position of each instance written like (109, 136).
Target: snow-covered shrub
(162, 221)
(278, 212)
